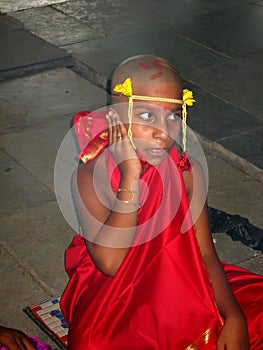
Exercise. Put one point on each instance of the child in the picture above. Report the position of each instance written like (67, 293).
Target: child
(15, 339)
(143, 275)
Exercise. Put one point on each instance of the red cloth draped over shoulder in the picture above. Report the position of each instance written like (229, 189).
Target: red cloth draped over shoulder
(161, 297)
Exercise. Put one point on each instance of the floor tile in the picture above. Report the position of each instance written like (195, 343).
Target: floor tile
(213, 5)
(125, 17)
(149, 40)
(55, 27)
(40, 148)
(45, 97)
(248, 145)
(15, 5)
(213, 118)
(18, 290)
(233, 191)
(41, 237)
(238, 82)
(7, 24)
(19, 189)
(243, 25)
(255, 264)
(22, 52)
(128, 16)
(231, 252)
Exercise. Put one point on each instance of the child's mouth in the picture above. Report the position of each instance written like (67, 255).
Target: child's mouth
(157, 152)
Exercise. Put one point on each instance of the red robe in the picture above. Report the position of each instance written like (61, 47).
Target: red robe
(161, 297)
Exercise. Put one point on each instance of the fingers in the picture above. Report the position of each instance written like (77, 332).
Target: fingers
(117, 130)
(113, 127)
(122, 129)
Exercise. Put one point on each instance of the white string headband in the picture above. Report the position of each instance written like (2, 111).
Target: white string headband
(126, 89)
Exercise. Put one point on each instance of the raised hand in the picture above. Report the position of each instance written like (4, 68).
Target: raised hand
(121, 147)
(234, 335)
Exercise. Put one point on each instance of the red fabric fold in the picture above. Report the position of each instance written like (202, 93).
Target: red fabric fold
(139, 306)
(248, 290)
(161, 297)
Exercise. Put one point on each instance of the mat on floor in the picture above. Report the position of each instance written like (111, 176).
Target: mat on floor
(48, 317)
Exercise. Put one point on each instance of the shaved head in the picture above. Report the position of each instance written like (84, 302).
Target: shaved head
(145, 70)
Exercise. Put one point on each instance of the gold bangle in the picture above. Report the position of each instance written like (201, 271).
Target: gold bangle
(123, 190)
(137, 205)
(127, 191)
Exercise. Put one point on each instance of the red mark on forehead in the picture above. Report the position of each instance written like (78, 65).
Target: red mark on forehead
(158, 65)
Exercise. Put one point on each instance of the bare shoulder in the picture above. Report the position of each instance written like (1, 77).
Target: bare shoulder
(82, 180)
(84, 168)
(93, 197)
(86, 173)
(91, 184)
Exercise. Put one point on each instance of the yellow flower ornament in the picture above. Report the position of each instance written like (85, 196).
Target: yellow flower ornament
(126, 89)
(188, 97)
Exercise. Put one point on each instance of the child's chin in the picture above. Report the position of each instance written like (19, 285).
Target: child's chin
(155, 161)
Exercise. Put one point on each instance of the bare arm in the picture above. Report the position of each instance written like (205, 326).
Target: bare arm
(14, 339)
(112, 232)
(234, 335)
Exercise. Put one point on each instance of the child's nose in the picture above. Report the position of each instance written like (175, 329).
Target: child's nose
(160, 131)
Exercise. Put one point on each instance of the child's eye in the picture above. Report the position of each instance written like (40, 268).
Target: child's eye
(173, 116)
(146, 116)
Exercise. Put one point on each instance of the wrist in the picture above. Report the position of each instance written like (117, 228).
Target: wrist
(130, 175)
(237, 316)
(130, 183)
(128, 193)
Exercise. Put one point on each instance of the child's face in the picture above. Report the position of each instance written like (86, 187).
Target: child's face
(156, 125)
